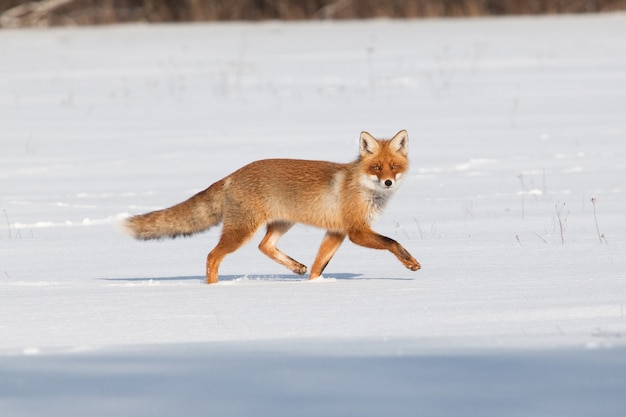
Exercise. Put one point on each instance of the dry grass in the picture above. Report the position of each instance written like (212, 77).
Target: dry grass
(15, 13)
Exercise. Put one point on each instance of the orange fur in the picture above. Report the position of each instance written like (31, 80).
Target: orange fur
(341, 198)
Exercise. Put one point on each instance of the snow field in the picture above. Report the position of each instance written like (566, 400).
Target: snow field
(513, 125)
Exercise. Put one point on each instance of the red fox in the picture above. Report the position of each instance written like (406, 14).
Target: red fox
(341, 198)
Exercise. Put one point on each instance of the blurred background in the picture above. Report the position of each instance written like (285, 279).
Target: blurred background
(20, 13)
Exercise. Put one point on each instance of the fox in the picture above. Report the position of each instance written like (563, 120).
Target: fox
(342, 198)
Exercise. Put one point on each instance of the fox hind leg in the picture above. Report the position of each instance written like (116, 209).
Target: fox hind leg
(268, 246)
(233, 237)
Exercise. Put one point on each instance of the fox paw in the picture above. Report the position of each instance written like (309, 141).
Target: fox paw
(300, 269)
(413, 266)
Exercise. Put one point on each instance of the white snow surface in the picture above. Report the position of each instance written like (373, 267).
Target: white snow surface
(515, 125)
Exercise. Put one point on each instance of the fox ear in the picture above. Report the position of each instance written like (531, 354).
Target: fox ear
(368, 144)
(400, 142)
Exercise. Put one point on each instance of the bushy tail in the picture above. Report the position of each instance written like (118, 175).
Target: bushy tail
(194, 215)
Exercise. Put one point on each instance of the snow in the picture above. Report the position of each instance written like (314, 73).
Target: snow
(515, 124)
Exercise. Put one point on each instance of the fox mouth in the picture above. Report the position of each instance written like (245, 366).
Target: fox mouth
(385, 185)
(377, 184)
(389, 183)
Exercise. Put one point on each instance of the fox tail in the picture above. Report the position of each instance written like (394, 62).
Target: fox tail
(194, 215)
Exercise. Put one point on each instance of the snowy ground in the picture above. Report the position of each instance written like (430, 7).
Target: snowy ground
(513, 124)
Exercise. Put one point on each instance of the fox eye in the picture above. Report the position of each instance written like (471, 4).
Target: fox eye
(394, 167)
(376, 168)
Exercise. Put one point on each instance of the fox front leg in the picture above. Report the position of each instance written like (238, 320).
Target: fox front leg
(330, 244)
(373, 240)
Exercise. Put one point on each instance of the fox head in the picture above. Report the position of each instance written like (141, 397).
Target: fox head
(383, 162)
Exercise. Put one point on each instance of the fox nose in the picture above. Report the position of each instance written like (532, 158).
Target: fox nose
(388, 183)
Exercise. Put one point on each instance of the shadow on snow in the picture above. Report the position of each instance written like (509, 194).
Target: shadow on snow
(253, 277)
